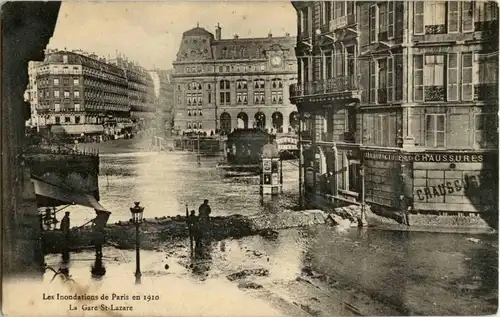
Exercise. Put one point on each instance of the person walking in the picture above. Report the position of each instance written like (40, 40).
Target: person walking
(65, 224)
(98, 224)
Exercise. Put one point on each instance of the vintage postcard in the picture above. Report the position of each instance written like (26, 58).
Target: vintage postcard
(303, 158)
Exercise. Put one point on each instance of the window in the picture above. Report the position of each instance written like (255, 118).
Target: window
(453, 16)
(467, 76)
(57, 107)
(221, 69)
(77, 107)
(259, 92)
(58, 120)
(76, 94)
(276, 84)
(209, 97)
(66, 82)
(77, 119)
(373, 24)
(76, 81)
(435, 16)
(373, 81)
(418, 79)
(304, 21)
(66, 94)
(434, 78)
(339, 7)
(452, 80)
(56, 81)
(241, 84)
(382, 17)
(242, 98)
(486, 130)
(67, 119)
(225, 94)
(277, 97)
(328, 10)
(56, 93)
(194, 94)
(485, 12)
(435, 127)
(65, 59)
(418, 17)
(328, 62)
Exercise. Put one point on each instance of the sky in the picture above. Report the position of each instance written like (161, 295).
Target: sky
(150, 32)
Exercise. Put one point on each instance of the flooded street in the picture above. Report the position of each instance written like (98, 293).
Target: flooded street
(165, 182)
(315, 271)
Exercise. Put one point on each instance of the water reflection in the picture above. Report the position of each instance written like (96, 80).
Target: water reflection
(166, 182)
(97, 269)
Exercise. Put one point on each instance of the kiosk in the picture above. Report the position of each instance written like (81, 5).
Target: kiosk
(271, 180)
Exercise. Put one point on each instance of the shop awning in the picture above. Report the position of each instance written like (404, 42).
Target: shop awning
(58, 195)
(77, 129)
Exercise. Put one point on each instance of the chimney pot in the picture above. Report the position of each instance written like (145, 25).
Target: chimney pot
(270, 34)
(236, 36)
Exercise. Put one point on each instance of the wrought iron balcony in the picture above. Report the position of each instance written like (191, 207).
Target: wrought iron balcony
(435, 29)
(326, 87)
(434, 93)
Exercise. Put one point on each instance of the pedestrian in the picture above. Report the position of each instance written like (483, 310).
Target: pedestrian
(404, 205)
(65, 223)
(98, 224)
(194, 228)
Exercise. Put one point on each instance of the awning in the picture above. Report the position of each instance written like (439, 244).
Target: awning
(64, 196)
(77, 128)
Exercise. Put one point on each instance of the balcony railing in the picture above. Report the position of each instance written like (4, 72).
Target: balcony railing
(434, 93)
(328, 86)
(435, 29)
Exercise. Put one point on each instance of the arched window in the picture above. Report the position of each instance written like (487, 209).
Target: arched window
(260, 120)
(225, 123)
(242, 121)
(225, 92)
(277, 121)
(293, 120)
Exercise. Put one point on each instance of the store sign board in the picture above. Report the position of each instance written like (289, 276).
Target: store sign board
(425, 157)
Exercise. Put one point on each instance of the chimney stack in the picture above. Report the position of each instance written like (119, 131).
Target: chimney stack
(236, 36)
(218, 31)
(270, 34)
(287, 34)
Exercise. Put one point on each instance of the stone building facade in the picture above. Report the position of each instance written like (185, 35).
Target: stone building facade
(82, 93)
(399, 101)
(224, 84)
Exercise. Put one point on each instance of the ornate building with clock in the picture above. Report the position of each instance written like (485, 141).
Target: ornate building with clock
(227, 84)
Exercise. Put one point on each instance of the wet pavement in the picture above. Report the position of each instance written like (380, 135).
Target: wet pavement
(317, 271)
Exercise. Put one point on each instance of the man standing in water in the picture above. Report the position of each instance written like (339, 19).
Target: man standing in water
(204, 221)
(65, 229)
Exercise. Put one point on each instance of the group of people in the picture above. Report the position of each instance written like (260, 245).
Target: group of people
(199, 225)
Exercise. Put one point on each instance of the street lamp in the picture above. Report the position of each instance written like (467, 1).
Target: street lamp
(363, 221)
(137, 219)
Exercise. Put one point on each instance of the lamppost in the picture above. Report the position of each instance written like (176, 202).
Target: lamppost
(137, 219)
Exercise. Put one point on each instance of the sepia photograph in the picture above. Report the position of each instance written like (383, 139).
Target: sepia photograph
(238, 158)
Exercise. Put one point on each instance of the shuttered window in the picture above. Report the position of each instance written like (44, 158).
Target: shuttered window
(418, 17)
(373, 24)
(452, 81)
(390, 20)
(467, 76)
(390, 79)
(373, 81)
(467, 16)
(453, 16)
(418, 80)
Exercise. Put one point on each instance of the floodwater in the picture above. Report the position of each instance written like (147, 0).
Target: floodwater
(165, 182)
(412, 273)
